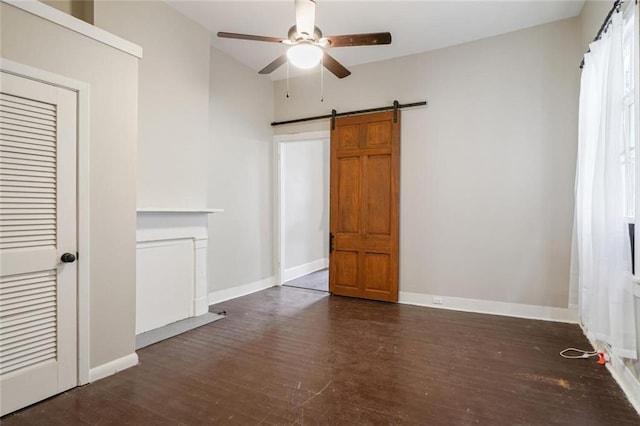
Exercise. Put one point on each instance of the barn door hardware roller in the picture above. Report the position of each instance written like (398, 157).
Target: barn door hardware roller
(396, 105)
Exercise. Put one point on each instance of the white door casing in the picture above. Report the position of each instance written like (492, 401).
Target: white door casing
(38, 223)
(278, 194)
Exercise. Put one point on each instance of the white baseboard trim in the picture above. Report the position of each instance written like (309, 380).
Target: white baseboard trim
(112, 367)
(241, 290)
(546, 313)
(304, 269)
(627, 381)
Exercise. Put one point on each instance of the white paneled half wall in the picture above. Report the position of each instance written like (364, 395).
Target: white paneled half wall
(171, 266)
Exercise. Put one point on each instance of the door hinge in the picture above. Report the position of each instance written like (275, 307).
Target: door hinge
(330, 242)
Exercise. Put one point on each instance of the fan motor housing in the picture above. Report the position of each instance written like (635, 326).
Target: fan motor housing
(295, 36)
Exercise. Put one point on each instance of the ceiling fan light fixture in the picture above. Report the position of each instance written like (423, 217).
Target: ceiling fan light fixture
(304, 55)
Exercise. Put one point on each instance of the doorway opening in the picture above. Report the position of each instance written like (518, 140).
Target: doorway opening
(302, 203)
(318, 280)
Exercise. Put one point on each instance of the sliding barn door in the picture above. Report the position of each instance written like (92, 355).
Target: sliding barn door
(38, 346)
(365, 171)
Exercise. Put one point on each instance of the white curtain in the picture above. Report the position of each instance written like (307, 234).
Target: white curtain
(605, 281)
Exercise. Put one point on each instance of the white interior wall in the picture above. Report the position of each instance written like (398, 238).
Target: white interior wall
(240, 165)
(191, 157)
(113, 107)
(172, 163)
(174, 100)
(487, 169)
(305, 169)
(81, 9)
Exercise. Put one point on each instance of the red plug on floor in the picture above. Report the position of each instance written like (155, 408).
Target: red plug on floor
(603, 358)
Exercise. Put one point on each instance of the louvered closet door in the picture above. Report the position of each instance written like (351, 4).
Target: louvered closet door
(38, 346)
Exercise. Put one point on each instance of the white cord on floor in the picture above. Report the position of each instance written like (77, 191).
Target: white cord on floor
(579, 353)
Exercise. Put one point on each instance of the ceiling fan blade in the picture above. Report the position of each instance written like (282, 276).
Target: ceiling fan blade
(305, 17)
(334, 66)
(370, 39)
(222, 34)
(277, 63)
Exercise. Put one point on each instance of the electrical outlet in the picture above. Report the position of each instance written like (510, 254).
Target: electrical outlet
(437, 300)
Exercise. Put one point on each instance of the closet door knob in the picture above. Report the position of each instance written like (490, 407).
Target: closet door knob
(68, 258)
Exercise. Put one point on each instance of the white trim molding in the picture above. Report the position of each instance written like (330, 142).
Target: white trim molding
(200, 296)
(302, 136)
(278, 197)
(241, 290)
(545, 313)
(112, 367)
(626, 380)
(161, 234)
(304, 269)
(170, 210)
(72, 23)
(620, 372)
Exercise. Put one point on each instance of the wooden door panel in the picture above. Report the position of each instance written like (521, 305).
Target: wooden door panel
(378, 197)
(377, 272)
(348, 195)
(378, 134)
(371, 243)
(365, 170)
(349, 137)
(345, 269)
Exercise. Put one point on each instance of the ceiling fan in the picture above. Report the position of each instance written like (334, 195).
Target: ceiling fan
(308, 45)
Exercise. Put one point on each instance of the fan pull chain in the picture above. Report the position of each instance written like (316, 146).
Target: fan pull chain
(287, 78)
(322, 79)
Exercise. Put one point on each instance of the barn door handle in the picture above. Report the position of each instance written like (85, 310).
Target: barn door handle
(68, 258)
(331, 242)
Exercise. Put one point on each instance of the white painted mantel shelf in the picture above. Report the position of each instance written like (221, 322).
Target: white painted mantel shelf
(171, 265)
(169, 210)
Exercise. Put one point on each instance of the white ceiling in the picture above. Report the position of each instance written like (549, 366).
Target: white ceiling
(415, 26)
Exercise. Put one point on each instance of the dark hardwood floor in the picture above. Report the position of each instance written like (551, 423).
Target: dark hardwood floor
(293, 356)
